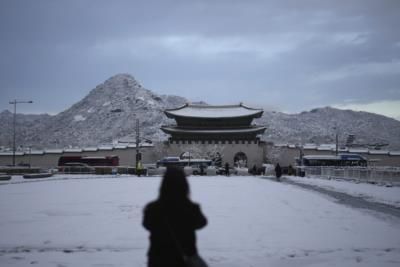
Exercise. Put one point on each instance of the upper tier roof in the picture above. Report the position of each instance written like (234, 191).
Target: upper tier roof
(213, 112)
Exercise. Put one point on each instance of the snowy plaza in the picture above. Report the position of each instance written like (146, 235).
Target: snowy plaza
(89, 220)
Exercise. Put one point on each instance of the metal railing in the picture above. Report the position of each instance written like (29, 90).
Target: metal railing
(383, 175)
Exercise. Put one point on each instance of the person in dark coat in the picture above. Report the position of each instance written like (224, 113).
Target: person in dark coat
(201, 169)
(172, 220)
(254, 170)
(278, 172)
(227, 169)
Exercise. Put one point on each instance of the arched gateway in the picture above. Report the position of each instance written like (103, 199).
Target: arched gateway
(240, 159)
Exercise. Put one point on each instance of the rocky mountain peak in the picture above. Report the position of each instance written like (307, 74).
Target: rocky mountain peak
(117, 86)
(122, 80)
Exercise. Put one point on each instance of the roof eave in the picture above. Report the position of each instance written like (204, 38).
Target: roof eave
(173, 116)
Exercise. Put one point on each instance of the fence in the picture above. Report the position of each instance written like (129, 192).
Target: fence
(384, 175)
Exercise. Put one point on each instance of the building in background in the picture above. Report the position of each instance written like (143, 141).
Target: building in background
(216, 131)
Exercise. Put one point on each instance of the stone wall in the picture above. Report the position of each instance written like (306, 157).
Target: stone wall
(44, 159)
(286, 155)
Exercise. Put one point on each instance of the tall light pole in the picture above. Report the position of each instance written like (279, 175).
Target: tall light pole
(138, 155)
(336, 128)
(15, 102)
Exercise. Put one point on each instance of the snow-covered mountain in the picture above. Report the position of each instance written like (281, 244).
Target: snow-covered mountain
(109, 113)
(320, 126)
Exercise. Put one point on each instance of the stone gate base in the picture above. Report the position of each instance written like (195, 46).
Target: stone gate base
(249, 153)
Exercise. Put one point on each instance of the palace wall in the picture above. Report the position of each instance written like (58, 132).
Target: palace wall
(286, 155)
(257, 153)
(45, 159)
(254, 152)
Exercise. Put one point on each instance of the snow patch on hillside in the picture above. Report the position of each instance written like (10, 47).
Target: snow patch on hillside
(79, 118)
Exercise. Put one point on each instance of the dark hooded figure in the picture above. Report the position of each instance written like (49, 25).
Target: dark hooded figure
(278, 172)
(227, 169)
(172, 220)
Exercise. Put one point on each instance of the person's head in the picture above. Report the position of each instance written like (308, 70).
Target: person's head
(174, 186)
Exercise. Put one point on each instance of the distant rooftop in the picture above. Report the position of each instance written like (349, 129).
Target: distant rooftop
(214, 112)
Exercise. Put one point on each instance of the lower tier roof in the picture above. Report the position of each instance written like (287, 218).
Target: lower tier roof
(174, 130)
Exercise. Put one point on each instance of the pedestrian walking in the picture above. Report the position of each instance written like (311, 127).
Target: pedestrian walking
(278, 172)
(227, 169)
(139, 168)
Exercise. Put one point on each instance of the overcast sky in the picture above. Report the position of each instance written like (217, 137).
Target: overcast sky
(283, 55)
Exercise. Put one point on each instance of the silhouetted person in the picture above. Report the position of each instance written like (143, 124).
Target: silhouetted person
(227, 169)
(278, 172)
(172, 220)
(201, 169)
(139, 168)
(254, 170)
(290, 170)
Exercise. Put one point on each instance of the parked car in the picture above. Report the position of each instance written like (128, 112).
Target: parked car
(199, 169)
(152, 169)
(76, 167)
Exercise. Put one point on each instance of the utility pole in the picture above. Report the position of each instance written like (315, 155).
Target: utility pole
(336, 139)
(337, 143)
(30, 154)
(15, 102)
(138, 155)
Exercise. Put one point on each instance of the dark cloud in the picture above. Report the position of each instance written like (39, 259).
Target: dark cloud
(292, 55)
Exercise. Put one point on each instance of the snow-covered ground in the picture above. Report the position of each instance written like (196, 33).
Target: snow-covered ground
(96, 221)
(370, 192)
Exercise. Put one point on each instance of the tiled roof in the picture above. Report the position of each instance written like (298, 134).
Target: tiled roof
(214, 112)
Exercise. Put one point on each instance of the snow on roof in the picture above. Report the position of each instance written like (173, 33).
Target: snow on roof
(394, 153)
(120, 146)
(146, 145)
(358, 150)
(221, 131)
(35, 152)
(325, 148)
(53, 151)
(106, 147)
(11, 153)
(321, 157)
(378, 152)
(72, 150)
(280, 145)
(140, 145)
(90, 149)
(327, 145)
(205, 111)
(310, 146)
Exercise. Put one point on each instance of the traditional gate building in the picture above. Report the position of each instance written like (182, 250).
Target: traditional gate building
(216, 131)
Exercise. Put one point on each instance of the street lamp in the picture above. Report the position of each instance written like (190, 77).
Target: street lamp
(15, 102)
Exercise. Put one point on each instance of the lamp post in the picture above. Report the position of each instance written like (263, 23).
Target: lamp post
(138, 155)
(336, 129)
(15, 102)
